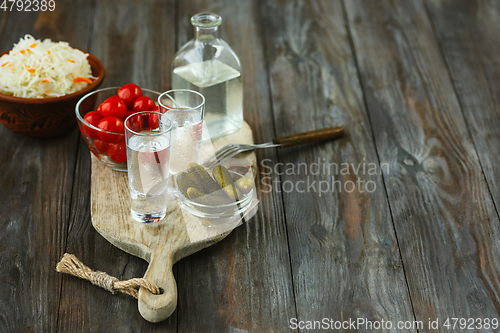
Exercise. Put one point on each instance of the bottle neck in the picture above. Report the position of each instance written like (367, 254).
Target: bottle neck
(204, 33)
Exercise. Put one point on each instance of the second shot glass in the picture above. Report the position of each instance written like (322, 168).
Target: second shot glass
(186, 110)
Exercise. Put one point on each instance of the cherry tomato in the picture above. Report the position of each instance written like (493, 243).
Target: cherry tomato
(112, 124)
(93, 118)
(99, 108)
(135, 123)
(153, 121)
(163, 108)
(114, 107)
(129, 93)
(144, 103)
(101, 146)
(129, 113)
(118, 151)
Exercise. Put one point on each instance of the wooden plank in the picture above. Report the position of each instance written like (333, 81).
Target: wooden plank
(244, 282)
(344, 253)
(469, 34)
(3, 23)
(135, 41)
(33, 219)
(34, 204)
(163, 243)
(68, 22)
(446, 224)
(17, 24)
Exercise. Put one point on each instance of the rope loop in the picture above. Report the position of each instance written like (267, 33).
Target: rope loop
(70, 264)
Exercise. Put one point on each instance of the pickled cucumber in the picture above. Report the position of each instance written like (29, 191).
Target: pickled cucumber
(244, 184)
(197, 172)
(185, 181)
(223, 178)
(193, 193)
(212, 199)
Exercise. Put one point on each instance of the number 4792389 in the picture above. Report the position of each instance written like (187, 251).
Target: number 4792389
(471, 323)
(28, 5)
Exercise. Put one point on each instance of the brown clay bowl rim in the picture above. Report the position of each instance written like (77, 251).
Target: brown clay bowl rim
(99, 72)
(80, 118)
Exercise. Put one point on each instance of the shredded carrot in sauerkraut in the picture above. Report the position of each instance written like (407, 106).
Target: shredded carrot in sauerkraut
(31, 70)
(82, 79)
(45, 69)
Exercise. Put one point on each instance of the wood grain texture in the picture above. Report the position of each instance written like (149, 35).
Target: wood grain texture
(3, 24)
(446, 224)
(344, 253)
(84, 307)
(37, 178)
(469, 35)
(135, 41)
(69, 22)
(33, 219)
(340, 247)
(163, 243)
(244, 282)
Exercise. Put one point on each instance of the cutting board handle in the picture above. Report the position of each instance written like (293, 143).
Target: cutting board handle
(156, 308)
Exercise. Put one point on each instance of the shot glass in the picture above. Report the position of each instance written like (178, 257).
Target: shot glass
(148, 138)
(186, 110)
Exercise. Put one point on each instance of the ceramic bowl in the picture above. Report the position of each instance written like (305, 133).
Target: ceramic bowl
(46, 117)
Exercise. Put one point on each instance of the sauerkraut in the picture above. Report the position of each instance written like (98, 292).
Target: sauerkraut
(42, 69)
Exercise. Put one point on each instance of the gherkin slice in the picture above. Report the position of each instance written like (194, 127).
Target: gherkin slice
(244, 184)
(185, 181)
(223, 178)
(206, 182)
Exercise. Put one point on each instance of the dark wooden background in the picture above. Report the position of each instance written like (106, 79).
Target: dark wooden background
(416, 85)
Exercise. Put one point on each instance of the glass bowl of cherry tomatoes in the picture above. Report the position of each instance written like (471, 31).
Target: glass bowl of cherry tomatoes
(101, 115)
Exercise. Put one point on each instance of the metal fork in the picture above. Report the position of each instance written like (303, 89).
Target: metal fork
(231, 150)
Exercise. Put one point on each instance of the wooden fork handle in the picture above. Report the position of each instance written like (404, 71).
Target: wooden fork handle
(323, 134)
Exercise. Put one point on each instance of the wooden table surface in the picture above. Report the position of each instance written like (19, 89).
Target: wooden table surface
(416, 84)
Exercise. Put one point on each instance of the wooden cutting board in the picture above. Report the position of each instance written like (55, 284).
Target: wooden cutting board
(163, 243)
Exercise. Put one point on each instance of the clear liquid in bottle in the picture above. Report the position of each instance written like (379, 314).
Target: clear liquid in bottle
(222, 87)
(208, 65)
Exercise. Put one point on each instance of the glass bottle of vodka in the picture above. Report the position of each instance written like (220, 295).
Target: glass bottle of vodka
(207, 64)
